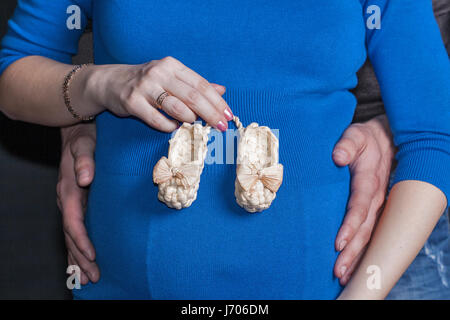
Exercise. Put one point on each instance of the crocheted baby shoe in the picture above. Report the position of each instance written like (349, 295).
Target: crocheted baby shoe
(258, 173)
(178, 176)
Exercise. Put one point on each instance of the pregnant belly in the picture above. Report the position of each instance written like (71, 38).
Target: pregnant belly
(214, 249)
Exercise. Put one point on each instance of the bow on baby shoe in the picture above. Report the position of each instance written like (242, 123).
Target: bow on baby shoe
(271, 177)
(164, 171)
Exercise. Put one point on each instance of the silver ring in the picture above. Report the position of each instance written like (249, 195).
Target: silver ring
(161, 98)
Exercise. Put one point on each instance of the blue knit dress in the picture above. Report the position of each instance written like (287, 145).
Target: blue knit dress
(286, 64)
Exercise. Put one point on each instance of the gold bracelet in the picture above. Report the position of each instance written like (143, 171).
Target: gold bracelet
(65, 90)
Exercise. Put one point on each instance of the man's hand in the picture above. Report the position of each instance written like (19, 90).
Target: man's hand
(366, 147)
(368, 150)
(76, 172)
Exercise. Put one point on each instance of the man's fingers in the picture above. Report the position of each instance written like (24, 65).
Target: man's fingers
(353, 250)
(72, 262)
(77, 170)
(77, 232)
(361, 240)
(364, 188)
(82, 150)
(360, 149)
(346, 277)
(347, 257)
(73, 221)
(84, 170)
(90, 268)
(350, 145)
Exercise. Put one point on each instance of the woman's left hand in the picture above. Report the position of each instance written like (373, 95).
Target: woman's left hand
(367, 148)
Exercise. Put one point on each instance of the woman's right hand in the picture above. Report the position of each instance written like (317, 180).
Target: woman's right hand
(132, 90)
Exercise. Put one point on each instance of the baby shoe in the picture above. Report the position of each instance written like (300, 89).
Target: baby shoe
(258, 173)
(178, 175)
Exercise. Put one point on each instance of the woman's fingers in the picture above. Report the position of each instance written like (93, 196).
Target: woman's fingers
(219, 88)
(197, 93)
(138, 106)
(194, 80)
(198, 103)
(175, 108)
(134, 90)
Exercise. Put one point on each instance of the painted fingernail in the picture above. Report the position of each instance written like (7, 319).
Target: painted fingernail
(221, 126)
(342, 245)
(340, 155)
(343, 269)
(228, 114)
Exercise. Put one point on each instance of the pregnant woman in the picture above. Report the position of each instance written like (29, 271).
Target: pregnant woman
(288, 65)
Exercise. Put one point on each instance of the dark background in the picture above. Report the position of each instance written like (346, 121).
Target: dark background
(32, 252)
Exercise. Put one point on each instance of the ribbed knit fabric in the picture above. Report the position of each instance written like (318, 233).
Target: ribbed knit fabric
(285, 64)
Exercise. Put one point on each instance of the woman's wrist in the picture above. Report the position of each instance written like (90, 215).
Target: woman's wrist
(87, 90)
